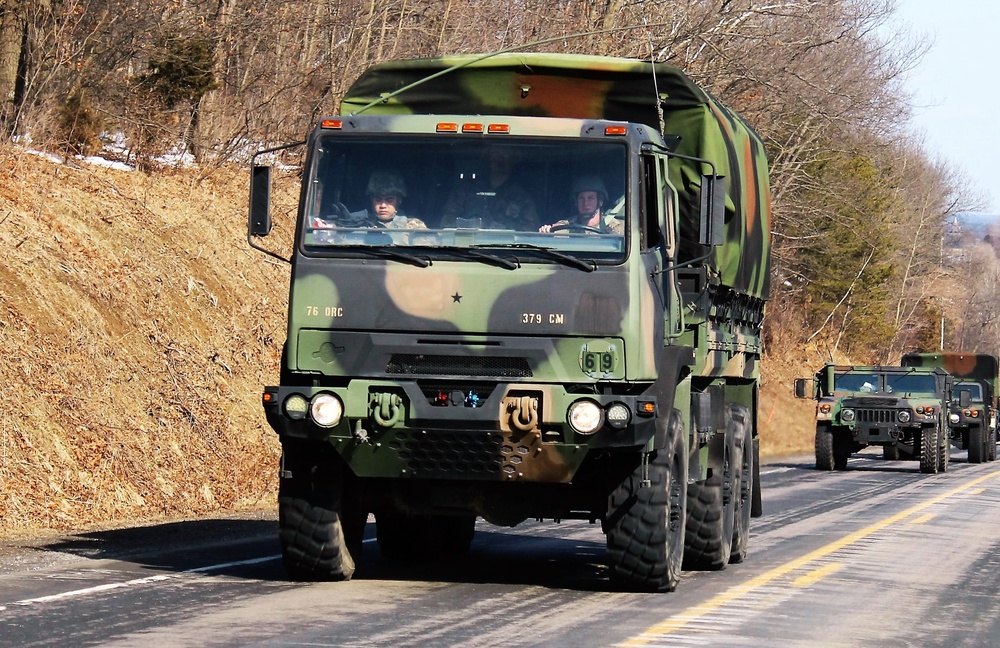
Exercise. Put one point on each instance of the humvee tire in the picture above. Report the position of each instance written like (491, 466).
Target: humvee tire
(944, 449)
(319, 527)
(976, 445)
(929, 439)
(645, 520)
(890, 452)
(824, 447)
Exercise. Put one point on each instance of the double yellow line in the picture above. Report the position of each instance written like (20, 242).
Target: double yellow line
(678, 621)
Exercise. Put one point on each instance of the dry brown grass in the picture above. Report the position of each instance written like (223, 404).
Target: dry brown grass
(137, 328)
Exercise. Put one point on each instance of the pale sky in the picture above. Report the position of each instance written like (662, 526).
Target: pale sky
(956, 87)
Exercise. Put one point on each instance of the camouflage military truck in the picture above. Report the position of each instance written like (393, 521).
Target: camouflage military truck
(902, 409)
(472, 366)
(973, 415)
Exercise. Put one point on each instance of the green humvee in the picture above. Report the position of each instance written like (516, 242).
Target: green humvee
(902, 409)
(972, 417)
(457, 360)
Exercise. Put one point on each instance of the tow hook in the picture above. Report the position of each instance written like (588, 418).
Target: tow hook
(524, 413)
(385, 409)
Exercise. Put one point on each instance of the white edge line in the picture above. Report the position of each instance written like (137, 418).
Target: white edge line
(137, 581)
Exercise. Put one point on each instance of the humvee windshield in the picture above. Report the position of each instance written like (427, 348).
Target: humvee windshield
(856, 382)
(913, 383)
(458, 195)
(975, 391)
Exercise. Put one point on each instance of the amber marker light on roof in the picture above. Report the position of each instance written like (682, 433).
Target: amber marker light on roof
(498, 128)
(472, 128)
(615, 130)
(332, 123)
(447, 127)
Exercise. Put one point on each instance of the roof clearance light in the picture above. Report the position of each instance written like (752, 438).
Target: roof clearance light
(447, 127)
(472, 128)
(498, 128)
(336, 124)
(616, 130)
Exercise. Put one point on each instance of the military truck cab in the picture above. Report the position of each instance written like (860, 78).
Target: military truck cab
(531, 309)
(903, 410)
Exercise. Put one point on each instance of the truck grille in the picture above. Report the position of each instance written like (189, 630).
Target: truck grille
(473, 366)
(876, 415)
(450, 454)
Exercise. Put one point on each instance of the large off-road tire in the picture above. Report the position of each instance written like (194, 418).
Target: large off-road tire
(711, 509)
(320, 518)
(991, 444)
(929, 450)
(824, 447)
(890, 452)
(977, 444)
(423, 537)
(646, 516)
(944, 448)
(744, 461)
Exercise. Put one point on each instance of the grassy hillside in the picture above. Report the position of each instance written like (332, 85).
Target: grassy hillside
(138, 328)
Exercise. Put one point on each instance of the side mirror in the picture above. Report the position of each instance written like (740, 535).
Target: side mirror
(964, 398)
(800, 387)
(713, 210)
(260, 201)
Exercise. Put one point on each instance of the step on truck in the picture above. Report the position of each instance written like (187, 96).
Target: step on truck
(902, 409)
(454, 359)
(972, 416)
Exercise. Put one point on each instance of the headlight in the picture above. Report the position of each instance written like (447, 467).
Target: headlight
(904, 416)
(618, 416)
(296, 407)
(326, 410)
(847, 414)
(585, 416)
(954, 418)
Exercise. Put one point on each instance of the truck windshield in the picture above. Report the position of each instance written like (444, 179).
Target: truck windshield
(444, 197)
(922, 384)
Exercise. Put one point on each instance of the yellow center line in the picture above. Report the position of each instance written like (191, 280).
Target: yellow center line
(816, 574)
(923, 518)
(680, 620)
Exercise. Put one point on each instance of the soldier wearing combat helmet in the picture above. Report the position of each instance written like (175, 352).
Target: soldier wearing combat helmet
(386, 190)
(589, 196)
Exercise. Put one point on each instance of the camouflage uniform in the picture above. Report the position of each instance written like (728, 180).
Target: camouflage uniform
(607, 224)
(367, 218)
(508, 206)
(384, 183)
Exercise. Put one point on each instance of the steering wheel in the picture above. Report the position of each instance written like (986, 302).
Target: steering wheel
(574, 227)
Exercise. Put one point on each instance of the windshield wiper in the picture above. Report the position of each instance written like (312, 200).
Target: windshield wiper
(568, 259)
(510, 264)
(386, 253)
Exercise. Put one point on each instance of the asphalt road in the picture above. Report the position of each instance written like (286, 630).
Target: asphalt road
(878, 555)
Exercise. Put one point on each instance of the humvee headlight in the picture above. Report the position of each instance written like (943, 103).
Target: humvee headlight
(904, 416)
(618, 416)
(326, 410)
(847, 414)
(296, 407)
(585, 416)
(974, 413)
(954, 418)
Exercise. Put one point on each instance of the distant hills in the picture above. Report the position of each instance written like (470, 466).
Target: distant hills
(972, 224)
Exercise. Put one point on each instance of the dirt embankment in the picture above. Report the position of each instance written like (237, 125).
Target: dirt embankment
(138, 328)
